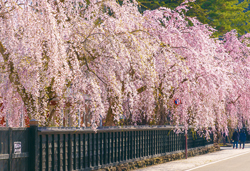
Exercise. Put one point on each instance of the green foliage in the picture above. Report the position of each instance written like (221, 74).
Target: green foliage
(224, 15)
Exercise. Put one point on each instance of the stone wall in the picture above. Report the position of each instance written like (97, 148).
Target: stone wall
(163, 159)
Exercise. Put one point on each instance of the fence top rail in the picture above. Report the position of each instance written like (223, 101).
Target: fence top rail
(105, 129)
(13, 128)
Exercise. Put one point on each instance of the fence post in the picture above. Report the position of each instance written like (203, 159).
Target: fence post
(33, 145)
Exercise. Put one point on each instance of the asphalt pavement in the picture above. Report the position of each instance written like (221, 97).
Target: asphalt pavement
(241, 163)
(228, 159)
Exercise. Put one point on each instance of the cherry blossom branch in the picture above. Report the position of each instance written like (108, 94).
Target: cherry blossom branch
(14, 78)
(233, 102)
(89, 67)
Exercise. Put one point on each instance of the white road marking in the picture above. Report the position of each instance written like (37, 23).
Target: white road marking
(217, 161)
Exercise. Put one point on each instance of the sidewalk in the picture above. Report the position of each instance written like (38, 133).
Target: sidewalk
(193, 162)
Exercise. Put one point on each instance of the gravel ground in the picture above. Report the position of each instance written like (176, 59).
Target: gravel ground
(192, 162)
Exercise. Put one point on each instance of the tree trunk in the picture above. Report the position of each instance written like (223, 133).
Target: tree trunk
(110, 118)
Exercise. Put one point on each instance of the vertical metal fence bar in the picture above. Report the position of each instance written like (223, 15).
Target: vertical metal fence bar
(194, 140)
(164, 135)
(122, 146)
(74, 151)
(43, 152)
(53, 152)
(137, 136)
(47, 152)
(101, 148)
(105, 148)
(80, 146)
(154, 142)
(97, 149)
(172, 140)
(93, 149)
(179, 141)
(132, 140)
(84, 151)
(64, 152)
(148, 148)
(183, 141)
(150, 142)
(40, 155)
(136, 144)
(164, 141)
(175, 142)
(112, 147)
(89, 150)
(132, 144)
(116, 146)
(159, 151)
(126, 146)
(119, 146)
(169, 141)
(158, 141)
(142, 144)
(70, 152)
(168, 136)
(59, 154)
(109, 147)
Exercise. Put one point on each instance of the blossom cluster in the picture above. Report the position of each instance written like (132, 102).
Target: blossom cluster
(126, 62)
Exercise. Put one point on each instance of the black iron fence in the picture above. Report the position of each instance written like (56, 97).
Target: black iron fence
(67, 149)
(10, 158)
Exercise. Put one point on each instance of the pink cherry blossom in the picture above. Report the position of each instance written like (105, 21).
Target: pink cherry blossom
(54, 54)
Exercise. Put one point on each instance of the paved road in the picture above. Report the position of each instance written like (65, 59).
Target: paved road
(238, 163)
(223, 159)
